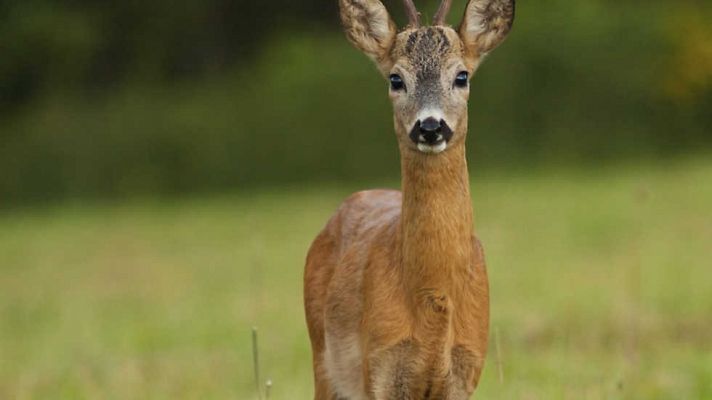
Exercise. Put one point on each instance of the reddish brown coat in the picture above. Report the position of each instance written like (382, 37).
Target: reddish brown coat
(395, 286)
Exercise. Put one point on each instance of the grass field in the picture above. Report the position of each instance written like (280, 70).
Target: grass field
(601, 289)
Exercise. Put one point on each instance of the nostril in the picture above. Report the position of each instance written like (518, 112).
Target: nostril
(430, 125)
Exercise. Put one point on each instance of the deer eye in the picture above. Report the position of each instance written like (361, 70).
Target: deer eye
(461, 80)
(397, 82)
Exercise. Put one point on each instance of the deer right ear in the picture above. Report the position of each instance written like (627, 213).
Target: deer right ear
(369, 27)
(485, 26)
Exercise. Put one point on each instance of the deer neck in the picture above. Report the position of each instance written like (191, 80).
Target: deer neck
(436, 223)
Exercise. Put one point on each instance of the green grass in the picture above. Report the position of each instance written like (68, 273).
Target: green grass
(601, 289)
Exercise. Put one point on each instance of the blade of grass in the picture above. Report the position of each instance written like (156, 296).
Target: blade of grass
(498, 347)
(256, 363)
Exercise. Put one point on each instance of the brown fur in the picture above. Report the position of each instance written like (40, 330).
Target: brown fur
(395, 285)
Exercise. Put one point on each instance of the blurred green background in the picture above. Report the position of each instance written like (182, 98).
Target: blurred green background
(164, 167)
(122, 97)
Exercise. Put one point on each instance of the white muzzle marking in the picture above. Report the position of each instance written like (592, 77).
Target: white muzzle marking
(423, 146)
(434, 149)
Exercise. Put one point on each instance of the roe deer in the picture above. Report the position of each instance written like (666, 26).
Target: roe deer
(395, 286)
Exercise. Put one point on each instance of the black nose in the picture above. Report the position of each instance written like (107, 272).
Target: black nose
(430, 130)
(430, 125)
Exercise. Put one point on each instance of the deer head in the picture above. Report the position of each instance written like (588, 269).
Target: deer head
(428, 67)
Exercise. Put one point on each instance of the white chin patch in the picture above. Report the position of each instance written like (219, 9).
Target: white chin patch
(434, 149)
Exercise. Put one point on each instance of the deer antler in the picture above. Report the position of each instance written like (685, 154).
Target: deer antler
(413, 14)
(442, 13)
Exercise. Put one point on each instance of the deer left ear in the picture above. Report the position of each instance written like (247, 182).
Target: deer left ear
(370, 28)
(485, 26)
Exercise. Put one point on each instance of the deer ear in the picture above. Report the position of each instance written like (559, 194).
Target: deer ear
(369, 27)
(485, 26)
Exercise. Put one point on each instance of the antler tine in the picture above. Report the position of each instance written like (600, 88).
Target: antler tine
(413, 14)
(442, 13)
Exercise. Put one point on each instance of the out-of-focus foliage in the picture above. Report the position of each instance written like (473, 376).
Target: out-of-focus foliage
(690, 69)
(126, 97)
(83, 44)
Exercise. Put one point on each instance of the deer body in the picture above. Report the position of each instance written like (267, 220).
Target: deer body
(396, 292)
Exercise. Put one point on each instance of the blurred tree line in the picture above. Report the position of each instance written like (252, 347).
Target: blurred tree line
(85, 44)
(117, 98)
